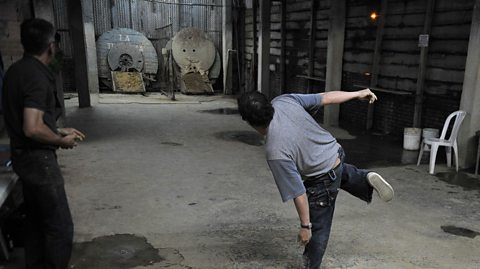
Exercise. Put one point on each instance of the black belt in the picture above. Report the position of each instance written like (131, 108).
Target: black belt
(331, 175)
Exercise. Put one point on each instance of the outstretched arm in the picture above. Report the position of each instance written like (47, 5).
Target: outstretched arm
(338, 97)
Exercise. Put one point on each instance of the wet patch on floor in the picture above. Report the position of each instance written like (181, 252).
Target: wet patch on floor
(460, 179)
(168, 143)
(120, 251)
(247, 137)
(459, 231)
(259, 247)
(221, 111)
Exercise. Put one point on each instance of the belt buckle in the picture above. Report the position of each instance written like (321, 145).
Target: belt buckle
(332, 175)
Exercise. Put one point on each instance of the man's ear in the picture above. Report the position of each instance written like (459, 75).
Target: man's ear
(51, 49)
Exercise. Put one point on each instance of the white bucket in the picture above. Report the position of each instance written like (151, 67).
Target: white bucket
(429, 133)
(411, 138)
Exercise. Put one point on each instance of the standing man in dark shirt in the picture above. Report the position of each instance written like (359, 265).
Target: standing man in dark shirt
(31, 108)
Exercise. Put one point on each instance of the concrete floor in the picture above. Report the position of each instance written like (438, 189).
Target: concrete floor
(170, 177)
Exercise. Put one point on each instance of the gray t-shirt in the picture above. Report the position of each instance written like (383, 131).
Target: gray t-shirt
(296, 145)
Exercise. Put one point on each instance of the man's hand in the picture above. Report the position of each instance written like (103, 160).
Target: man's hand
(71, 131)
(68, 141)
(304, 236)
(368, 95)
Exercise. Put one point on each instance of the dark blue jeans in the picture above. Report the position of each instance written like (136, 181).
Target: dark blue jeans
(49, 228)
(322, 194)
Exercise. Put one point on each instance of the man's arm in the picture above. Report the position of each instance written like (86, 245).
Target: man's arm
(35, 128)
(338, 97)
(301, 204)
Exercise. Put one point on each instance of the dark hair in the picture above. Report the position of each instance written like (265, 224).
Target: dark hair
(36, 35)
(255, 108)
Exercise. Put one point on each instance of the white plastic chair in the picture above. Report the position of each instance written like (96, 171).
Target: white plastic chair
(449, 144)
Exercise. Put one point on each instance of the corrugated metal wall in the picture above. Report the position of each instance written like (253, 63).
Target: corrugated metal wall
(158, 20)
(151, 17)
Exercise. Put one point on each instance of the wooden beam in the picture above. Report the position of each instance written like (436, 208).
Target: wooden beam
(79, 52)
(422, 68)
(227, 36)
(283, 41)
(264, 49)
(311, 46)
(254, 55)
(376, 58)
(336, 40)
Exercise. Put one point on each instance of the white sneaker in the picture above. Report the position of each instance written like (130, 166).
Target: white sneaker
(381, 186)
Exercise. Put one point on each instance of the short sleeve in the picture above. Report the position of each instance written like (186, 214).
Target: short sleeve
(35, 96)
(310, 102)
(288, 180)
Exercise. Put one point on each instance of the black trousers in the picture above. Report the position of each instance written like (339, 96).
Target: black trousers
(49, 228)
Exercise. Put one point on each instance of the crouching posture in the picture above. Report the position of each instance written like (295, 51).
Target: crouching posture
(307, 163)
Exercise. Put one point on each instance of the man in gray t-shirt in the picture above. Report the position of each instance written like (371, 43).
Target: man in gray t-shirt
(307, 162)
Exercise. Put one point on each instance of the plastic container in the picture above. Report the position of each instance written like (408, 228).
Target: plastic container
(429, 133)
(411, 138)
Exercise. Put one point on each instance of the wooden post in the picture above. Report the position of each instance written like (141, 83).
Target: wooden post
(264, 49)
(311, 46)
(85, 55)
(422, 68)
(254, 55)
(79, 55)
(283, 40)
(227, 45)
(470, 101)
(376, 58)
(336, 38)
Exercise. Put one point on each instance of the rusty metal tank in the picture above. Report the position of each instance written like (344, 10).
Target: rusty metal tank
(198, 60)
(125, 50)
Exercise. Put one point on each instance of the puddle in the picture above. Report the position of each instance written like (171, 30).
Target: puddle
(461, 179)
(459, 231)
(222, 111)
(247, 137)
(171, 143)
(120, 251)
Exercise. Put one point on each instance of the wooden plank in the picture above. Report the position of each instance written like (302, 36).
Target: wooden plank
(227, 45)
(376, 58)
(264, 49)
(422, 69)
(336, 39)
(254, 68)
(311, 46)
(283, 35)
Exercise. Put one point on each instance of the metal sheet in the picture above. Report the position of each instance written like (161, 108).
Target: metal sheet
(102, 16)
(121, 12)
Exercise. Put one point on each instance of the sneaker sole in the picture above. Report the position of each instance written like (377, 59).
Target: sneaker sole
(381, 186)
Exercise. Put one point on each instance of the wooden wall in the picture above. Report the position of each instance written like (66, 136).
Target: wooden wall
(12, 13)
(399, 57)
